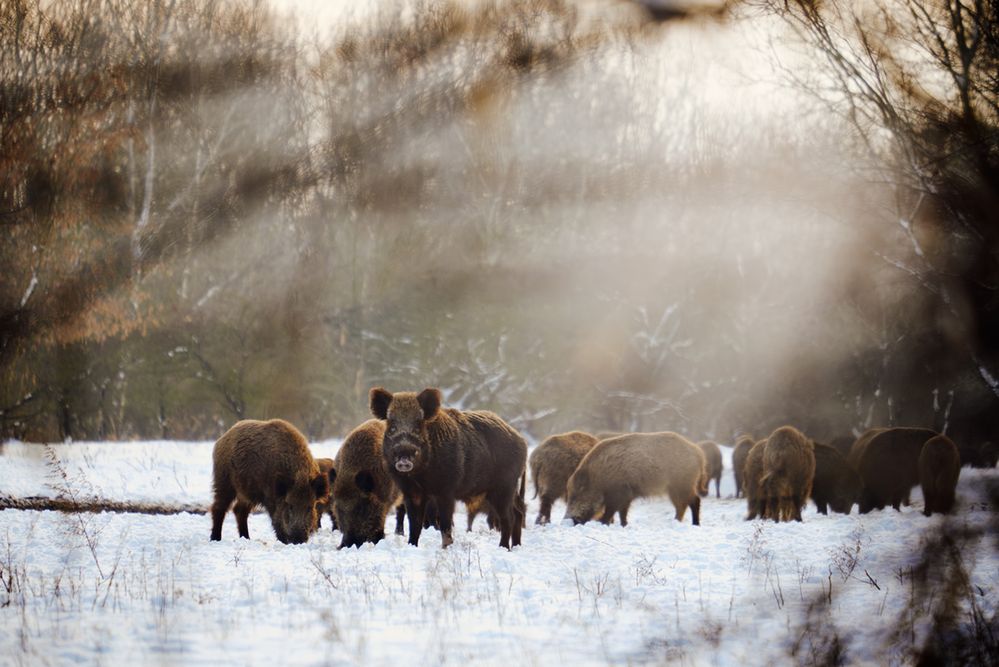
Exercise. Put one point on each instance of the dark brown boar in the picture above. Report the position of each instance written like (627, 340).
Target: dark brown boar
(739, 454)
(888, 464)
(552, 463)
(752, 472)
(843, 444)
(326, 506)
(363, 491)
(446, 455)
(637, 465)
(837, 485)
(860, 445)
(788, 472)
(267, 463)
(714, 460)
(939, 468)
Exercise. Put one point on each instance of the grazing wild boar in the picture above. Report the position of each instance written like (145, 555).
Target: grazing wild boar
(739, 454)
(637, 465)
(446, 455)
(326, 506)
(888, 464)
(267, 463)
(552, 463)
(837, 484)
(787, 474)
(714, 459)
(363, 491)
(939, 468)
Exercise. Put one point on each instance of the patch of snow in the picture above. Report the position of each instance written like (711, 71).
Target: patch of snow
(127, 588)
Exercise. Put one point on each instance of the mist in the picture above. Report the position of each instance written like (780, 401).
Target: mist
(567, 213)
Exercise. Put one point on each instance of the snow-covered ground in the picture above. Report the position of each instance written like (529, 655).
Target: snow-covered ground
(124, 588)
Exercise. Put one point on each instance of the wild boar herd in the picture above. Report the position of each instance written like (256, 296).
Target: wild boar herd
(419, 458)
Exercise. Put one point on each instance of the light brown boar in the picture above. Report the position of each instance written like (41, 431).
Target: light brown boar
(552, 463)
(739, 454)
(326, 506)
(939, 468)
(267, 463)
(788, 472)
(637, 465)
(363, 491)
(714, 460)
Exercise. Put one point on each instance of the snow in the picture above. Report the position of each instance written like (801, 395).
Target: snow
(122, 588)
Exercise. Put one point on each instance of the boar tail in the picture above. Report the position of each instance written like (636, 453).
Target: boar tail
(523, 487)
(702, 482)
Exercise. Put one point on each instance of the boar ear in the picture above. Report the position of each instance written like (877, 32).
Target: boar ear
(430, 401)
(379, 400)
(365, 482)
(321, 486)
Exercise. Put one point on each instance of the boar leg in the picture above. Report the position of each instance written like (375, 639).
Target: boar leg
(680, 504)
(623, 513)
(519, 518)
(224, 495)
(609, 508)
(798, 504)
(695, 510)
(415, 509)
(502, 502)
(445, 519)
(614, 501)
(242, 511)
(400, 517)
(545, 513)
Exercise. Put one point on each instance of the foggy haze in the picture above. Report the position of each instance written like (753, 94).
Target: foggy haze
(563, 213)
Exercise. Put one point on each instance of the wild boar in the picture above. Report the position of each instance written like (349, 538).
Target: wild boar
(637, 465)
(939, 469)
(363, 491)
(837, 484)
(714, 459)
(552, 463)
(267, 463)
(787, 474)
(888, 464)
(446, 455)
(739, 455)
(326, 506)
